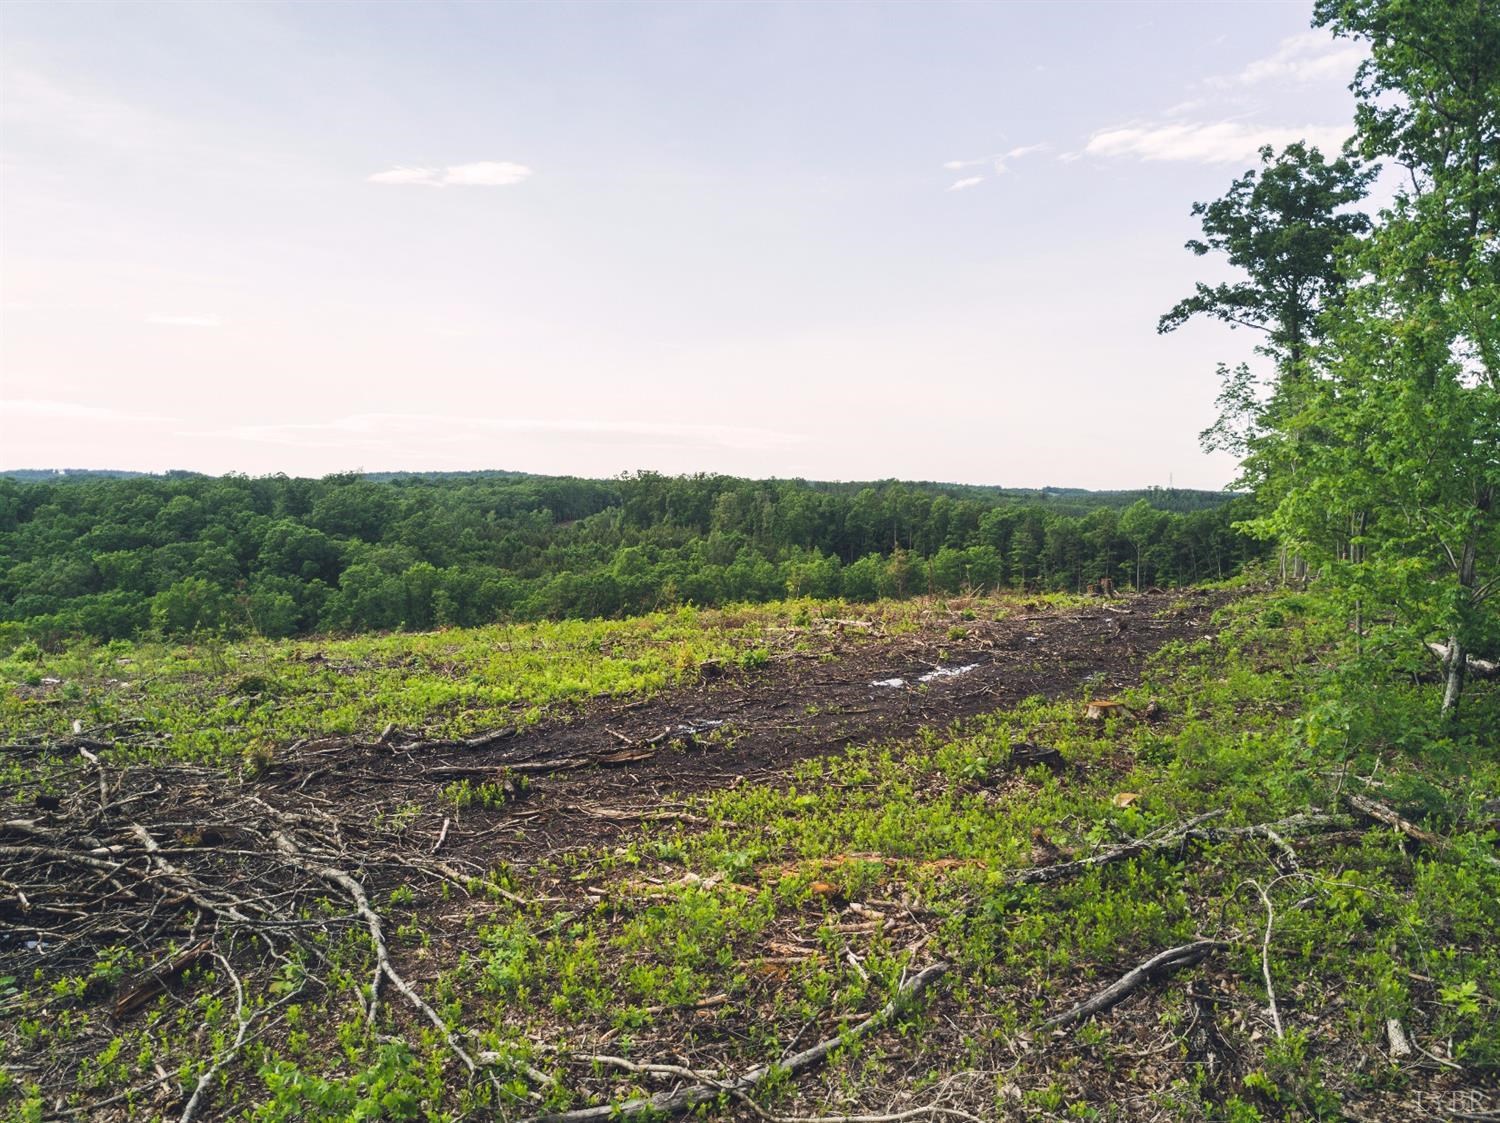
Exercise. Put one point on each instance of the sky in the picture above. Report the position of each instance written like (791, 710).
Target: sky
(830, 240)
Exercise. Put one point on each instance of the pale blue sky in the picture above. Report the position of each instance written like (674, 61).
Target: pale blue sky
(831, 240)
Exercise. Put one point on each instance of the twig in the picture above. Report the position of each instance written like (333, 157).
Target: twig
(1170, 960)
(1179, 836)
(706, 1089)
(191, 1107)
(1265, 957)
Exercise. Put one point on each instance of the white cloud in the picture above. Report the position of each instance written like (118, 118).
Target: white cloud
(997, 160)
(1312, 56)
(997, 163)
(487, 173)
(209, 321)
(484, 173)
(377, 430)
(430, 176)
(1182, 108)
(1209, 142)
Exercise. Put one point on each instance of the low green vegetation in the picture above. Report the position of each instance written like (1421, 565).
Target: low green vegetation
(219, 699)
(755, 919)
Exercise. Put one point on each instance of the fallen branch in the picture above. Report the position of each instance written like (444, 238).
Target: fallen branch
(1477, 668)
(186, 883)
(1383, 814)
(1172, 959)
(383, 965)
(1265, 957)
(146, 987)
(1379, 812)
(611, 815)
(689, 1074)
(243, 1019)
(1161, 840)
(892, 1117)
(1175, 838)
(481, 741)
(707, 1089)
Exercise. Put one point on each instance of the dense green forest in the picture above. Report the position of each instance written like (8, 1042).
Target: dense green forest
(87, 554)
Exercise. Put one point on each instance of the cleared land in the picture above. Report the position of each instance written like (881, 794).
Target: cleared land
(458, 890)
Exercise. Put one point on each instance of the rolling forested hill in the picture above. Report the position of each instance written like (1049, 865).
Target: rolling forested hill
(113, 556)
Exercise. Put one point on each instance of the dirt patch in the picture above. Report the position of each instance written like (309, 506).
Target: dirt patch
(582, 779)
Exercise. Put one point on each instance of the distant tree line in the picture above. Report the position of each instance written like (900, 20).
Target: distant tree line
(126, 556)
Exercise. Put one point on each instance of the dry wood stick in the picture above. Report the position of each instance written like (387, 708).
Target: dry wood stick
(191, 1107)
(1175, 837)
(1265, 957)
(707, 1089)
(383, 965)
(1170, 960)
(1383, 814)
(184, 882)
(1373, 809)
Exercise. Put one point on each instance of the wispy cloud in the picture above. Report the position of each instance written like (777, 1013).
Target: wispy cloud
(1208, 142)
(998, 164)
(996, 161)
(485, 173)
(210, 321)
(1025, 150)
(1312, 56)
(376, 430)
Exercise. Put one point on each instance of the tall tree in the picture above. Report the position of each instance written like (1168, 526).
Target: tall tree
(1414, 363)
(1285, 227)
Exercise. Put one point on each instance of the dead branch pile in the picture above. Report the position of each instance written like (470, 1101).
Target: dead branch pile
(187, 868)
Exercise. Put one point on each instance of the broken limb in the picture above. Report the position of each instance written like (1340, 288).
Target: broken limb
(707, 1089)
(1163, 963)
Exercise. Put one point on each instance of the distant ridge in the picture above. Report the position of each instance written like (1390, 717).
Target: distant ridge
(1162, 498)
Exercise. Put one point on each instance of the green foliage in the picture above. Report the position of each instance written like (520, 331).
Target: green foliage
(191, 556)
(1373, 454)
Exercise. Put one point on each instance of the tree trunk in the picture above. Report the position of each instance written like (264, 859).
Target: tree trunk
(1458, 653)
(1457, 664)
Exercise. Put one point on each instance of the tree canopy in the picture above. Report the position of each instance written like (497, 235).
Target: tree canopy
(116, 557)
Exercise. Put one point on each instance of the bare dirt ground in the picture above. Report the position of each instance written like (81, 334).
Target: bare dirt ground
(591, 774)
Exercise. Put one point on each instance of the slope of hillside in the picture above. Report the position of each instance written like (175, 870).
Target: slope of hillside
(975, 859)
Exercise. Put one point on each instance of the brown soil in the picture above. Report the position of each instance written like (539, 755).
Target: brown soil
(596, 772)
